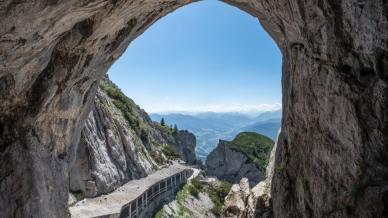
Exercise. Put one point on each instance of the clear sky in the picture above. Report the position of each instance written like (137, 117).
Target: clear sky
(206, 56)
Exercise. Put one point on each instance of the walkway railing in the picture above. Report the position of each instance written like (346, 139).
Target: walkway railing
(135, 208)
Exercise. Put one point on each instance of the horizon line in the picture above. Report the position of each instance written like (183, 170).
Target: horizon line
(208, 111)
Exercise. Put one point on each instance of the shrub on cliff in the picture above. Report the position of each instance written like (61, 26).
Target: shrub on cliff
(122, 102)
(170, 152)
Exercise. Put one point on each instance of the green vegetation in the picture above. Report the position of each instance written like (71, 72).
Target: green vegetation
(279, 168)
(197, 184)
(170, 152)
(79, 195)
(122, 102)
(159, 214)
(143, 129)
(165, 129)
(183, 192)
(193, 191)
(195, 188)
(217, 192)
(255, 146)
(156, 157)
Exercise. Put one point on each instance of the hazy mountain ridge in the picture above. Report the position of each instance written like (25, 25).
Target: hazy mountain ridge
(209, 127)
(268, 127)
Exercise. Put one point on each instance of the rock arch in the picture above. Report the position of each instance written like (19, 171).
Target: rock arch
(332, 159)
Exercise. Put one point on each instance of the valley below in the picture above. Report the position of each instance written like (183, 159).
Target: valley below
(128, 165)
(210, 127)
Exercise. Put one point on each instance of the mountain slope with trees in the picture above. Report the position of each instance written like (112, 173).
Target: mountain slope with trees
(119, 142)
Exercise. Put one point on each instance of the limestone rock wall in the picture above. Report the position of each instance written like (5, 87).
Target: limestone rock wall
(243, 202)
(185, 145)
(226, 163)
(117, 146)
(110, 153)
(332, 157)
(270, 170)
(332, 152)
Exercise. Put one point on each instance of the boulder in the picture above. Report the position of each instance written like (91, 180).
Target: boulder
(243, 202)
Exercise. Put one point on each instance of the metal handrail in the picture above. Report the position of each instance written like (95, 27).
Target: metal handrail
(169, 183)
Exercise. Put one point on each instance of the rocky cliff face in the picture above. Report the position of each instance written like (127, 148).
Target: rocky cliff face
(119, 142)
(243, 202)
(246, 156)
(191, 206)
(109, 152)
(185, 145)
(332, 151)
(226, 163)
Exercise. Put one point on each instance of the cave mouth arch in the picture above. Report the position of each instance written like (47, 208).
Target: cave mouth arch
(334, 82)
(213, 54)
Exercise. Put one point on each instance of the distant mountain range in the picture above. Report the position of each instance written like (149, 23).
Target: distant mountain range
(209, 127)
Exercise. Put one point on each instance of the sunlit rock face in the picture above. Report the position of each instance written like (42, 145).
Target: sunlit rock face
(227, 164)
(185, 146)
(110, 152)
(119, 142)
(332, 158)
(243, 202)
(52, 55)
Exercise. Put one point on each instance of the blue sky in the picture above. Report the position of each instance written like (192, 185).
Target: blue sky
(206, 56)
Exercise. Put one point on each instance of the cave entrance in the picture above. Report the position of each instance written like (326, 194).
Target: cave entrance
(208, 67)
(334, 85)
(193, 71)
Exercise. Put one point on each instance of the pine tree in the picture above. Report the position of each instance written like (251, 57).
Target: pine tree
(175, 129)
(162, 122)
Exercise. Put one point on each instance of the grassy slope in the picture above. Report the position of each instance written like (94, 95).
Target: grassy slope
(255, 146)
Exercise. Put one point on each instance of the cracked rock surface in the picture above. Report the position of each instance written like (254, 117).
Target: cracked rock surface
(225, 163)
(332, 156)
(119, 142)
